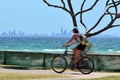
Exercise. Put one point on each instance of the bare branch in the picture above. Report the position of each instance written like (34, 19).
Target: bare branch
(103, 29)
(114, 2)
(72, 13)
(56, 6)
(51, 4)
(107, 12)
(111, 15)
(96, 23)
(63, 3)
(106, 6)
(112, 5)
(115, 6)
(81, 16)
(111, 9)
(87, 9)
(118, 15)
(116, 25)
(70, 7)
(107, 3)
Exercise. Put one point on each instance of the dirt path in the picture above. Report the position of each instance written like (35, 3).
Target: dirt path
(75, 75)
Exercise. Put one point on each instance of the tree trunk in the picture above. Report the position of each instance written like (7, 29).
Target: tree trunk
(74, 21)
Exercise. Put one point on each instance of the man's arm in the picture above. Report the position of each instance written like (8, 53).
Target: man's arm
(71, 41)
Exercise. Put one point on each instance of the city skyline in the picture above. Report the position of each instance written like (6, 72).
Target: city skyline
(18, 33)
(61, 33)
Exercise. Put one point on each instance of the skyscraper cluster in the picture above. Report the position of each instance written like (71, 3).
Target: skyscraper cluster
(15, 33)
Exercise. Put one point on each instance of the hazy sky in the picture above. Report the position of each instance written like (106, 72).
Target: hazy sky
(33, 16)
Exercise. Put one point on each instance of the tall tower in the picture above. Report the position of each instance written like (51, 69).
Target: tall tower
(61, 31)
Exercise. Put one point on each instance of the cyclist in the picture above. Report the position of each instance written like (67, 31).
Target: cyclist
(78, 39)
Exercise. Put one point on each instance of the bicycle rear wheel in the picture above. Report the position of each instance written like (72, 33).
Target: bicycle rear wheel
(86, 65)
(59, 64)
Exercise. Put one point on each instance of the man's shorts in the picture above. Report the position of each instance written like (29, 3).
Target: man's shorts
(81, 47)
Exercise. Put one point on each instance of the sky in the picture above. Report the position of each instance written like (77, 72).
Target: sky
(34, 16)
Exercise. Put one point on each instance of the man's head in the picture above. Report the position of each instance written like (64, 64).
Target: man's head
(75, 30)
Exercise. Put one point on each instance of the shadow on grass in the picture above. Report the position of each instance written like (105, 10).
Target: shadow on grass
(18, 68)
(22, 67)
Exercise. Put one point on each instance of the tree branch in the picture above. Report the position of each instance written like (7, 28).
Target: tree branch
(111, 9)
(63, 3)
(87, 9)
(70, 7)
(116, 25)
(96, 23)
(56, 6)
(72, 13)
(81, 16)
(107, 12)
(103, 29)
(113, 19)
(118, 15)
(115, 2)
(115, 6)
(112, 5)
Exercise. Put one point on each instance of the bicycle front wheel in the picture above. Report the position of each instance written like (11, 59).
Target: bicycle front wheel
(86, 65)
(59, 64)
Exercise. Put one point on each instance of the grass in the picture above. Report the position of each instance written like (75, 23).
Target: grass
(106, 78)
(17, 76)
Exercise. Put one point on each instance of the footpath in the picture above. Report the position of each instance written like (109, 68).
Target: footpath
(74, 75)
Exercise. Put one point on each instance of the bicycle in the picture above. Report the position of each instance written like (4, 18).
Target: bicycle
(85, 64)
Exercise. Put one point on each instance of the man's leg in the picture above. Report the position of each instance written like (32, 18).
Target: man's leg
(76, 57)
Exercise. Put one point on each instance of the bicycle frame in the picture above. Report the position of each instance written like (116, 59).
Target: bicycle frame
(82, 53)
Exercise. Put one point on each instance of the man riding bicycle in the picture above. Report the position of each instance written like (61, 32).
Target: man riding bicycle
(80, 40)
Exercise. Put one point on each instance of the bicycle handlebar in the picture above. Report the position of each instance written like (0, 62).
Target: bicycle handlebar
(66, 49)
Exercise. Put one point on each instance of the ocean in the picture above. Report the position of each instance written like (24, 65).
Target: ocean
(100, 45)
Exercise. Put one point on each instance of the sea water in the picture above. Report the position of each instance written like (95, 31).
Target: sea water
(100, 45)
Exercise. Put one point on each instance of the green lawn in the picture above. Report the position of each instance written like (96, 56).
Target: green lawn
(106, 78)
(17, 76)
